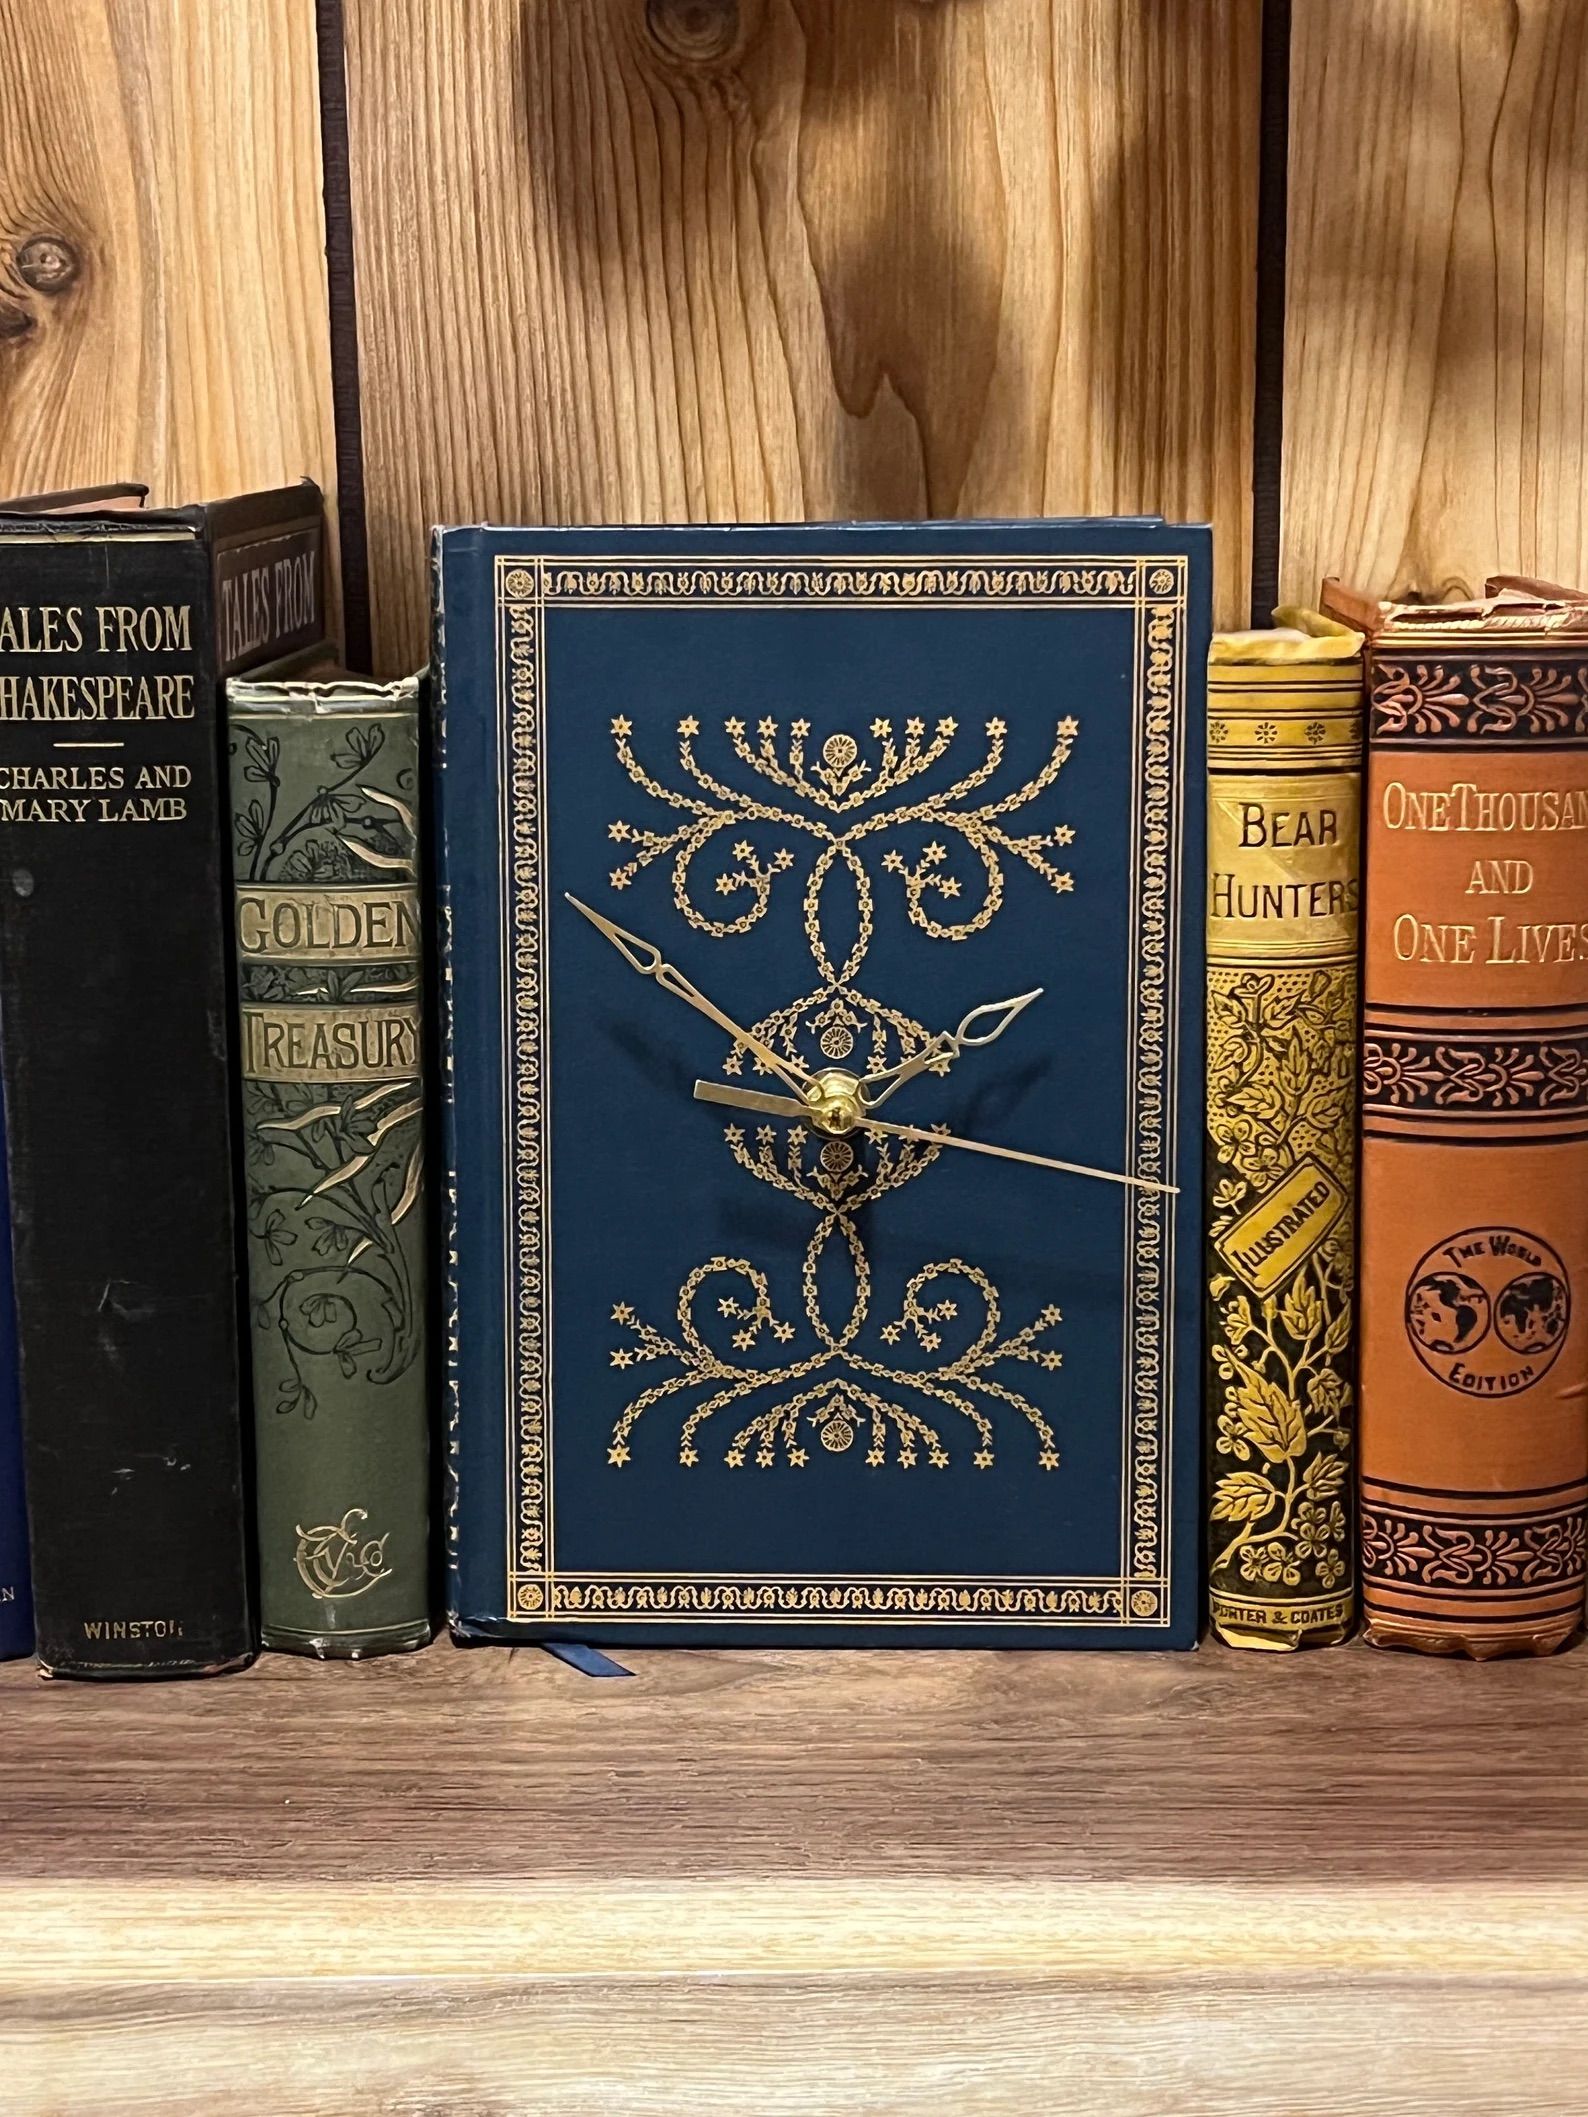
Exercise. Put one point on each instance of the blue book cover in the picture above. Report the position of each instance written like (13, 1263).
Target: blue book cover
(16, 1598)
(821, 924)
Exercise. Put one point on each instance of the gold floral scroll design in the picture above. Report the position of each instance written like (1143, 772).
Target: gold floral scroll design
(1281, 1089)
(838, 781)
(834, 1396)
(840, 785)
(845, 794)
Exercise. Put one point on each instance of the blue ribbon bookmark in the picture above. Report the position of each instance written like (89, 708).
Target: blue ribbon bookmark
(589, 1661)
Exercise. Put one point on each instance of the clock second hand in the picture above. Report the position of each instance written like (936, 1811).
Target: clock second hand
(788, 1106)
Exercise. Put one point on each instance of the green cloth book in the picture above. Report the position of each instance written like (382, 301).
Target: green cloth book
(327, 927)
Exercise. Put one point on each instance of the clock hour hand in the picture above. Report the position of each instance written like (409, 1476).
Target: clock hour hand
(836, 1111)
(646, 958)
(875, 1088)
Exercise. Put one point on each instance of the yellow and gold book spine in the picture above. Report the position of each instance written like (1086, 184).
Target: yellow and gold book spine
(1284, 880)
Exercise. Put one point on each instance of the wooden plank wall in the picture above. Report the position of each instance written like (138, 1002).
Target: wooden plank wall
(1436, 374)
(162, 267)
(705, 258)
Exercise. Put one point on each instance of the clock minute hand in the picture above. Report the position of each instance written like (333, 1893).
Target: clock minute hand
(875, 1088)
(787, 1106)
(646, 958)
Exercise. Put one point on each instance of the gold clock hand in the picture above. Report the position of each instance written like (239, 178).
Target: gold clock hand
(875, 1088)
(646, 958)
(848, 1119)
(751, 1099)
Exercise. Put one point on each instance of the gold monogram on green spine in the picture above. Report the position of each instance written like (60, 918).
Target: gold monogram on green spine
(327, 926)
(1284, 794)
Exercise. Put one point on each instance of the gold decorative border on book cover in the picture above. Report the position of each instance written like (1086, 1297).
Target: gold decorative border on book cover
(1154, 590)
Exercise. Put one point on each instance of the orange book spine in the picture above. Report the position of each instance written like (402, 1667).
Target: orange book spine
(1474, 1176)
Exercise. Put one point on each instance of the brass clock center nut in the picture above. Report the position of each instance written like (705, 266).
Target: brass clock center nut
(834, 1100)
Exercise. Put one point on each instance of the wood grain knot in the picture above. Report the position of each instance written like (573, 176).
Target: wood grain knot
(700, 32)
(47, 263)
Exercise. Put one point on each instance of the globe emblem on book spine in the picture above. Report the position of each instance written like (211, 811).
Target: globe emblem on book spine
(1487, 1310)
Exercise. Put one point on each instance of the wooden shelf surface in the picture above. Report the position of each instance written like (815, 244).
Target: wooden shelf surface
(947, 1885)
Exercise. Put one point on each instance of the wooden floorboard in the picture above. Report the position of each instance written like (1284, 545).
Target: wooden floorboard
(476, 1881)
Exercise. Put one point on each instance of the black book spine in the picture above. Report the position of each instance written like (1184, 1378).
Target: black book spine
(113, 983)
(16, 1593)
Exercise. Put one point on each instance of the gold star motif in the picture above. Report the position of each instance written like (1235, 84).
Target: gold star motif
(689, 725)
(620, 726)
(983, 1459)
(879, 728)
(617, 1455)
(688, 1458)
(623, 1313)
(734, 727)
(623, 1356)
(1064, 882)
(799, 727)
(1069, 726)
(1065, 834)
(1049, 1459)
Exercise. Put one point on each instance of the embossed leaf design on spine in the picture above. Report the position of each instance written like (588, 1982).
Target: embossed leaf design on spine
(1280, 1090)
(333, 1172)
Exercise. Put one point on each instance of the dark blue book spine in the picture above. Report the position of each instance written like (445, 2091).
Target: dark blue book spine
(16, 1594)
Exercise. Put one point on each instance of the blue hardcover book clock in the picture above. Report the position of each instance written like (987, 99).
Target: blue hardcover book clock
(782, 1309)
